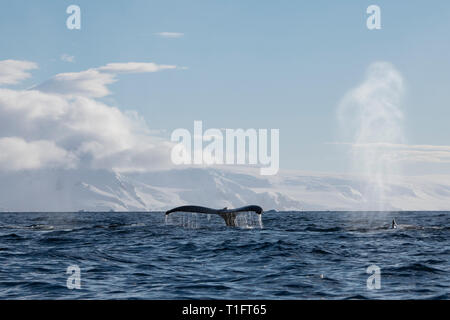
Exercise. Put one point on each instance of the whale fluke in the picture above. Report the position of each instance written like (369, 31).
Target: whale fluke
(229, 215)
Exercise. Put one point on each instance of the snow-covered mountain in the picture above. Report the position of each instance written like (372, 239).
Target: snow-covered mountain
(101, 190)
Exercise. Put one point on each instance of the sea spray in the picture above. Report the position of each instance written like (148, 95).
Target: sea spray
(191, 220)
(249, 220)
(371, 118)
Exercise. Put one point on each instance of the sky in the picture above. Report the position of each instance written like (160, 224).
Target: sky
(288, 65)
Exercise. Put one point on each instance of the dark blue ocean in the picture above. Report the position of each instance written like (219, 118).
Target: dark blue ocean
(293, 255)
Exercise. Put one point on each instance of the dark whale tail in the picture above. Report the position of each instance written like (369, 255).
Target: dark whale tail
(229, 215)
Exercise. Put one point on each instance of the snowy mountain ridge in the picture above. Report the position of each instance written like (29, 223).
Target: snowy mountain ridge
(102, 190)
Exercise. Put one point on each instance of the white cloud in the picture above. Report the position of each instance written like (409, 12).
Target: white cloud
(62, 117)
(67, 58)
(392, 152)
(93, 82)
(411, 153)
(134, 67)
(18, 154)
(14, 71)
(170, 34)
(89, 83)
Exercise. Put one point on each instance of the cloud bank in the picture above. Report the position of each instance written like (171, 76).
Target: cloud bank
(94, 82)
(170, 34)
(14, 71)
(59, 123)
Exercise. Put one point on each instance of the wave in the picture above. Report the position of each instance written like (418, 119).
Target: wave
(316, 229)
(417, 267)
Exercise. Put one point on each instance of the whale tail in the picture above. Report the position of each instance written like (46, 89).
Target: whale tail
(228, 215)
(230, 219)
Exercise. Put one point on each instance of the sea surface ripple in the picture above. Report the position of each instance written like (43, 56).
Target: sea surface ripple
(295, 255)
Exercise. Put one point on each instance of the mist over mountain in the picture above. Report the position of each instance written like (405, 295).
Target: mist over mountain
(104, 190)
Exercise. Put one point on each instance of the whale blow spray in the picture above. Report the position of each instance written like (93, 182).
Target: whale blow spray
(371, 117)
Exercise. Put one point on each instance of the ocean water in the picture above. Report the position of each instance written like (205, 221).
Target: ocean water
(291, 255)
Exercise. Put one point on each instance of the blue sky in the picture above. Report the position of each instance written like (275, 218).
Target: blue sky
(250, 64)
